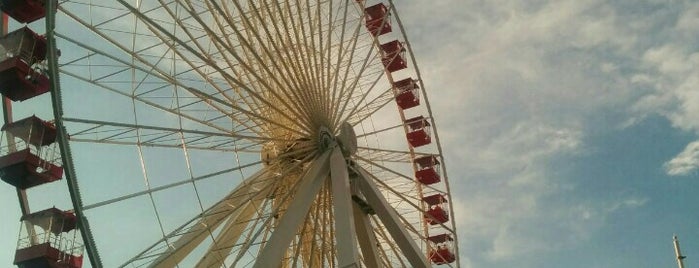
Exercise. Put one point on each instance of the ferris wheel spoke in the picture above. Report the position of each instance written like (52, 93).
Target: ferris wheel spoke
(363, 94)
(94, 131)
(255, 110)
(345, 98)
(388, 249)
(310, 78)
(205, 98)
(311, 238)
(171, 40)
(251, 56)
(187, 29)
(386, 155)
(343, 60)
(345, 55)
(316, 102)
(306, 50)
(410, 202)
(405, 178)
(317, 34)
(352, 101)
(319, 48)
(225, 46)
(290, 77)
(370, 108)
(170, 185)
(403, 124)
(303, 54)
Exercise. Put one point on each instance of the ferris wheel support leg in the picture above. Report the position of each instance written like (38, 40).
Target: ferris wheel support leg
(347, 256)
(275, 248)
(365, 236)
(232, 204)
(183, 247)
(390, 219)
(223, 244)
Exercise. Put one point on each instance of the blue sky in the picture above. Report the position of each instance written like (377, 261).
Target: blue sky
(570, 128)
(570, 125)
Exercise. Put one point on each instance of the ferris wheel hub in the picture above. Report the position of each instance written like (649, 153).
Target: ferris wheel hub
(325, 139)
(347, 139)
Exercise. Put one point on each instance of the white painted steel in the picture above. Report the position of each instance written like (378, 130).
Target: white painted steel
(347, 255)
(311, 182)
(391, 220)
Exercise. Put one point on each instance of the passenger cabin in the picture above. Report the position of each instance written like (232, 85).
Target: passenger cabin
(377, 19)
(394, 56)
(437, 213)
(49, 238)
(24, 11)
(21, 74)
(427, 169)
(31, 157)
(441, 249)
(407, 95)
(418, 131)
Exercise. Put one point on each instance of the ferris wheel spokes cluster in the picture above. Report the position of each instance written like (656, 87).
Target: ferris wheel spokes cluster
(262, 97)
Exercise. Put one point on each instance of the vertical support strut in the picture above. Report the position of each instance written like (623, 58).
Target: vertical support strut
(224, 241)
(311, 182)
(365, 236)
(390, 219)
(191, 240)
(237, 202)
(342, 204)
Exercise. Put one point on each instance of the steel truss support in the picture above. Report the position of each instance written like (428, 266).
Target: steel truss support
(347, 256)
(390, 219)
(275, 248)
(231, 207)
(223, 244)
(365, 236)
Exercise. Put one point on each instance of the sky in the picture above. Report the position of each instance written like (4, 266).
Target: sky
(571, 129)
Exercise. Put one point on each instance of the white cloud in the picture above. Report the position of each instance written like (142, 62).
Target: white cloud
(522, 80)
(686, 162)
(517, 85)
(672, 71)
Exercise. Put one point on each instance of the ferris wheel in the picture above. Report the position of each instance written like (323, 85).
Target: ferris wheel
(255, 133)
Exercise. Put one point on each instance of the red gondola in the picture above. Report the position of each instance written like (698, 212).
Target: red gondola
(377, 19)
(20, 77)
(407, 95)
(418, 131)
(441, 252)
(49, 239)
(24, 11)
(427, 169)
(393, 56)
(32, 158)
